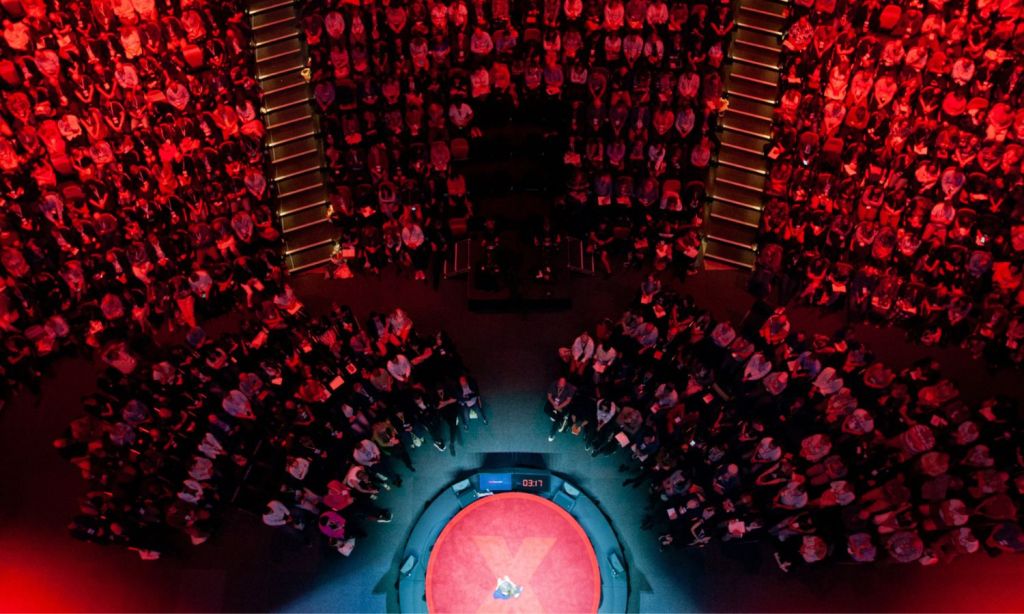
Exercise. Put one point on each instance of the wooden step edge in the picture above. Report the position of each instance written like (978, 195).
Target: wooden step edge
(753, 79)
(298, 100)
(750, 97)
(740, 147)
(770, 8)
(739, 185)
(277, 56)
(750, 26)
(262, 42)
(271, 24)
(291, 174)
(307, 225)
(718, 258)
(737, 58)
(738, 203)
(288, 122)
(742, 167)
(300, 190)
(304, 152)
(740, 41)
(733, 220)
(757, 11)
(266, 9)
(279, 72)
(310, 152)
(759, 135)
(737, 111)
(320, 203)
(313, 132)
(304, 248)
(292, 103)
(270, 92)
(309, 265)
(750, 246)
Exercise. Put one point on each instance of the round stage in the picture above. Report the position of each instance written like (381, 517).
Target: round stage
(530, 540)
(556, 547)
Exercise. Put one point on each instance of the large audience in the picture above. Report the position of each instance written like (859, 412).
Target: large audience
(760, 432)
(407, 88)
(896, 187)
(133, 198)
(134, 206)
(301, 420)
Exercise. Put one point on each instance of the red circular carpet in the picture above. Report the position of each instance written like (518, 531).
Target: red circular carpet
(537, 544)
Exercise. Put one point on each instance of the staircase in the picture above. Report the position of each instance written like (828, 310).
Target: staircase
(296, 157)
(738, 177)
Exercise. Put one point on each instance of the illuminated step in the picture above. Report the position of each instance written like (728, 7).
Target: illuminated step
(296, 166)
(739, 178)
(274, 17)
(757, 74)
(283, 48)
(304, 219)
(740, 215)
(262, 6)
(729, 254)
(743, 160)
(757, 56)
(743, 142)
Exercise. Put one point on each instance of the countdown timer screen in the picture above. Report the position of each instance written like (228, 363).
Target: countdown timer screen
(503, 482)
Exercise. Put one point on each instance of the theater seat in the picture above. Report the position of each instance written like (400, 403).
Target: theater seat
(62, 164)
(965, 218)
(13, 8)
(9, 72)
(671, 186)
(459, 226)
(833, 149)
(460, 149)
(456, 186)
(347, 94)
(890, 17)
(695, 189)
(440, 156)
(624, 191)
(72, 192)
(194, 56)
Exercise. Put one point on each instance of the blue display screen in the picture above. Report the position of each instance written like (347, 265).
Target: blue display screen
(504, 482)
(496, 482)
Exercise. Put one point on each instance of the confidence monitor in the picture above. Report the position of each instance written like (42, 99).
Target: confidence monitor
(504, 481)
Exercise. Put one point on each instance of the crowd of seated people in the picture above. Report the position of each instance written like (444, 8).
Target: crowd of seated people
(131, 165)
(301, 419)
(404, 88)
(808, 442)
(896, 186)
(641, 112)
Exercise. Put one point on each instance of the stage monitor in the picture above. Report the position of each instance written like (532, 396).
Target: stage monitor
(495, 482)
(523, 481)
